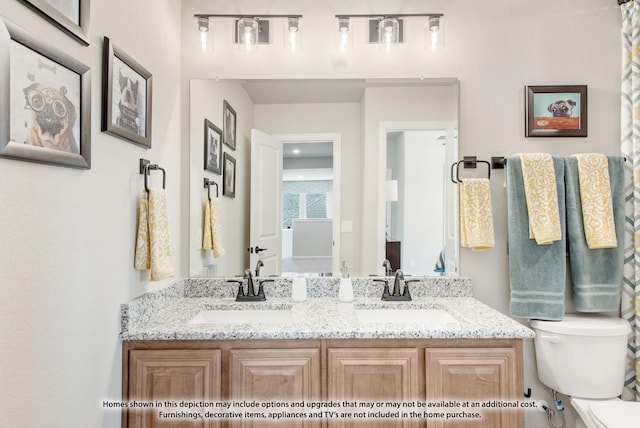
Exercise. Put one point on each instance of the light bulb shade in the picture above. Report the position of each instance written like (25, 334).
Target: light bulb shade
(435, 33)
(389, 31)
(292, 36)
(344, 39)
(203, 28)
(247, 30)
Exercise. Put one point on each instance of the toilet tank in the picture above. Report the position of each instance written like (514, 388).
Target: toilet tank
(582, 355)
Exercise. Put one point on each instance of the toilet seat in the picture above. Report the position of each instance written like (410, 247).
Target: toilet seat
(614, 413)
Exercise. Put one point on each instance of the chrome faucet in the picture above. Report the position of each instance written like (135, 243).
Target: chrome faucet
(387, 267)
(396, 295)
(258, 266)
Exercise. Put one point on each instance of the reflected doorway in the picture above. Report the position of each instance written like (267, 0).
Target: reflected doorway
(415, 200)
(309, 211)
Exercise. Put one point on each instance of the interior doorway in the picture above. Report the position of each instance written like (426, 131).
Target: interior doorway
(310, 204)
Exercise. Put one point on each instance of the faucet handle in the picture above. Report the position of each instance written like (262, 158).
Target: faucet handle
(385, 292)
(406, 287)
(261, 289)
(240, 288)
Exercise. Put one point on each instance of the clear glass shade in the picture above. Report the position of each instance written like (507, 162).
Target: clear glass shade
(292, 39)
(388, 32)
(344, 40)
(248, 34)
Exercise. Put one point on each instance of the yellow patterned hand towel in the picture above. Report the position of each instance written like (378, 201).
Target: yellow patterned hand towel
(212, 238)
(476, 218)
(541, 194)
(595, 197)
(153, 240)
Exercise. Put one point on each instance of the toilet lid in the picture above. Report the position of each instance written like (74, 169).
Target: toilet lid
(615, 414)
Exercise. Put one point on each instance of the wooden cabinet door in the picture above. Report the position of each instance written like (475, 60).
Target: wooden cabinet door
(474, 375)
(372, 374)
(173, 374)
(280, 375)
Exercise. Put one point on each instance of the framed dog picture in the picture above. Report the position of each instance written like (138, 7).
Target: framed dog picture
(45, 113)
(126, 97)
(212, 147)
(229, 176)
(229, 125)
(72, 16)
(556, 111)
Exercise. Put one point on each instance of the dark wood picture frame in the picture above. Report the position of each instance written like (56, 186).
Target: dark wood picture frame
(229, 122)
(212, 147)
(38, 82)
(556, 111)
(126, 96)
(76, 26)
(229, 176)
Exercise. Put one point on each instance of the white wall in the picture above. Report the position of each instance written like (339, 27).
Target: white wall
(206, 101)
(67, 236)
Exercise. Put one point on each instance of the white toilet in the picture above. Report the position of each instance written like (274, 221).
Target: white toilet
(584, 357)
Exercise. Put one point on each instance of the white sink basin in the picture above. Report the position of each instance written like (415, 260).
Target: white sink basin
(430, 317)
(242, 316)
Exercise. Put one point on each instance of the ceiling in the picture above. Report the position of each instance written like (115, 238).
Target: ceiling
(307, 150)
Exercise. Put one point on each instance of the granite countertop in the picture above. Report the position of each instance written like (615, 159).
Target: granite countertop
(165, 314)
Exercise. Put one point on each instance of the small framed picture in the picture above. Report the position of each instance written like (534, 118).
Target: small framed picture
(72, 16)
(229, 125)
(45, 115)
(212, 147)
(556, 111)
(126, 97)
(229, 176)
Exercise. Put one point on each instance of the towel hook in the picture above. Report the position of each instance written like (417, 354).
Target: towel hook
(146, 168)
(207, 184)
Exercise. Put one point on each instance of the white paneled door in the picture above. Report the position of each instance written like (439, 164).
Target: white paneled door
(266, 193)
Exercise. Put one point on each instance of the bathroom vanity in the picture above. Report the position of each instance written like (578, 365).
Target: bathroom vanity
(192, 342)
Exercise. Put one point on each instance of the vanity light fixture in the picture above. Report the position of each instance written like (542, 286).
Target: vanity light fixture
(253, 30)
(388, 29)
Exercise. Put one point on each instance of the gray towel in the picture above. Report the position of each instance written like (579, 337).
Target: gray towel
(596, 274)
(536, 272)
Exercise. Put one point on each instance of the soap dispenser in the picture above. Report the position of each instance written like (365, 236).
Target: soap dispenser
(299, 289)
(345, 292)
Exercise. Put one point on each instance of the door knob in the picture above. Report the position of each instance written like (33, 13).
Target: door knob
(258, 250)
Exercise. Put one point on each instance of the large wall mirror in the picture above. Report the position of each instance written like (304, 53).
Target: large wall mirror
(331, 171)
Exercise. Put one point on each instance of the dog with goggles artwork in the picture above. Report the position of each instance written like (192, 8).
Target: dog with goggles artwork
(53, 117)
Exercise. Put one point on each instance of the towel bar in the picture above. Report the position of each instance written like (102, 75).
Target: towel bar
(207, 184)
(498, 162)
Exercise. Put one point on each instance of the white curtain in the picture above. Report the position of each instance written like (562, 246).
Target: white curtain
(630, 145)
